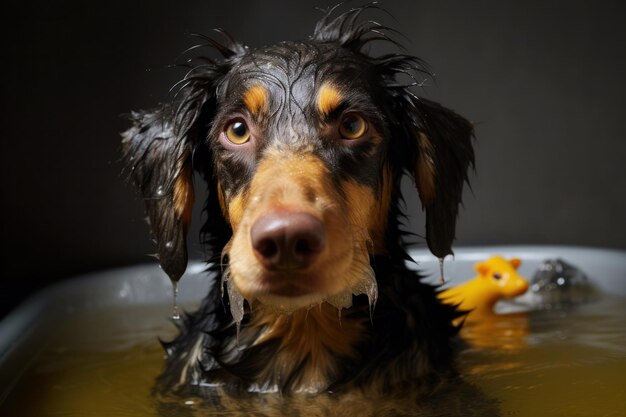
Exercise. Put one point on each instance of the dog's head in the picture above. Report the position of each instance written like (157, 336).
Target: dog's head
(304, 145)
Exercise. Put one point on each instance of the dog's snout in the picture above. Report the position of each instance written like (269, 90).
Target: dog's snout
(287, 240)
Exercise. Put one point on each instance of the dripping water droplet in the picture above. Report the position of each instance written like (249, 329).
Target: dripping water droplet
(371, 291)
(175, 313)
(236, 304)
(169, 245)
(442, 278)
(160, 192)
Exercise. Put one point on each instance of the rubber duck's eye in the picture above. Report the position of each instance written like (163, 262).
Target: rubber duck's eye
(237, 132)
(497, 276)
(352, 126)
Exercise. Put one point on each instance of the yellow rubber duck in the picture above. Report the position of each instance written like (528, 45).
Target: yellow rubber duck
(497, 278)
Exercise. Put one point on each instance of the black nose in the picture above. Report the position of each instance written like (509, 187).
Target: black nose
(287, 240)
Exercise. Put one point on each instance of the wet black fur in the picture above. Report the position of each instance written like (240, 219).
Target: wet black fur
(410, 334)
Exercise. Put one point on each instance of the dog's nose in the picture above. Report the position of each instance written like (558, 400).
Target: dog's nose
(287, 240)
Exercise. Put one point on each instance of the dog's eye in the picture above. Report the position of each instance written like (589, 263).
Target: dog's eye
(497, 276)
(237, 132)
(352, 126)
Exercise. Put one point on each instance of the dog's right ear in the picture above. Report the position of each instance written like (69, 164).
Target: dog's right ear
(159, 150)
(160, 165)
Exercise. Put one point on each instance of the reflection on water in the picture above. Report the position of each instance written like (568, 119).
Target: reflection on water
(546, 363)
(563, 362)
(497, 332)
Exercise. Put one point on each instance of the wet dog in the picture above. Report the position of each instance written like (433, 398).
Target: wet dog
(303, 146)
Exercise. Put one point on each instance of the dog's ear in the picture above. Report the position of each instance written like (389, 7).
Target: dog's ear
(440, 153)
(159, 149)
(160, 164)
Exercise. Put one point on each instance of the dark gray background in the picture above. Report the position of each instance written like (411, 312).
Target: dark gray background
(544, 81)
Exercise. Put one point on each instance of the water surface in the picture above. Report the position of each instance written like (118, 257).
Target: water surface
(545, 363)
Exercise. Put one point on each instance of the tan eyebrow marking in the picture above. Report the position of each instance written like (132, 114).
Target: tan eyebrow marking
(328, 99)
(256, 99)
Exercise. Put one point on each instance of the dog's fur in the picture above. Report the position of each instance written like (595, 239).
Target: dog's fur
(357, 316)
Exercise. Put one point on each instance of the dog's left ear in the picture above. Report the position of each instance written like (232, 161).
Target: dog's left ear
(440, 153)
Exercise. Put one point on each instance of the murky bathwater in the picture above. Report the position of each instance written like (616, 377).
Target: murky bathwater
(547, 363)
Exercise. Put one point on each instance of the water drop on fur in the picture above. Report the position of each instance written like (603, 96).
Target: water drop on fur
(367, 285)
(340, 301)
(372, 296)
(160, 192)
(370, 288)
(236, 302)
